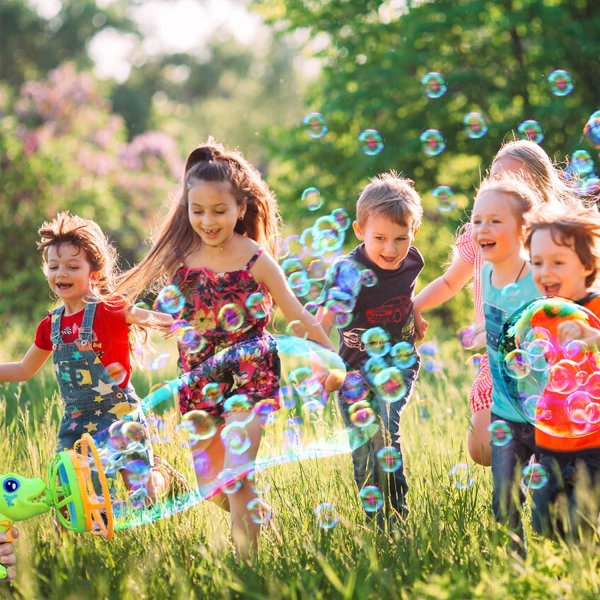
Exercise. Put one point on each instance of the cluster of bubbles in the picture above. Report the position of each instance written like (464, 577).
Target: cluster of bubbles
(555, 386)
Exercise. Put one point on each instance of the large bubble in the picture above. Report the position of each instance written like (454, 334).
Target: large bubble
(549, 382)
(591, 130)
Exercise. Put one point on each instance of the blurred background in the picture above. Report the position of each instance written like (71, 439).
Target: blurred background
(100, 101)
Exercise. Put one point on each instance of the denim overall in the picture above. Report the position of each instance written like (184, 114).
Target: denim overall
(93, 401)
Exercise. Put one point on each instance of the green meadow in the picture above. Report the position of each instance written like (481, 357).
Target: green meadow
(450, 546)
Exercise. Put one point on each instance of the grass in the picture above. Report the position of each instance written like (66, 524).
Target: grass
(450, 546)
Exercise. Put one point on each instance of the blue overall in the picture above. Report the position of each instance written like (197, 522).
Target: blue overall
(93, 401)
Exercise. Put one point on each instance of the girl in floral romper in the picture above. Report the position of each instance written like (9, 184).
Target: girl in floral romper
(223, 284)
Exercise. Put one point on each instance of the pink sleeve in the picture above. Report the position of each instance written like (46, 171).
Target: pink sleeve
(466, 247)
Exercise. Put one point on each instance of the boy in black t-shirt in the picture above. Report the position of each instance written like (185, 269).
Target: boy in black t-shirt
(368, 295)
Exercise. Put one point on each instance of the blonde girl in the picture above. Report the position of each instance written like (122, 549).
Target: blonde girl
(215, 250)
(525, 159)
(498, 220)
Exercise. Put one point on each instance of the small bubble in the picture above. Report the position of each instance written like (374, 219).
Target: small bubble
(531, 130)
(314, 125)
(501, 433)
(444, 197)
(371, 142)
(434, 84)
(561, 82)
(534, 476)
(460, 474)
(475, 125)
(260, 512)
(326, 515)
(389, 459)
(311, 199)
(432, 142)
(371, 498)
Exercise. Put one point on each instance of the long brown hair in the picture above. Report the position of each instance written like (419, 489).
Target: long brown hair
(176, 238)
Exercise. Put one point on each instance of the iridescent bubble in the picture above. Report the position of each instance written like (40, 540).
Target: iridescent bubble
(266, 411)
(235, 437)
(501, 433)
(190, 339)
(313, 411)
(347, 276)
(460, 474)
(591, 130)
(466, 335)
(430, 358)
(390, 384)
(342, 218)
(117, 372)
(326, 515)
(475, 361)
(475, 125)
(311, 199)
(403, 355)
(299, 283)
(257, 305)
(202, 464)
(591, 187)
(562, 377)
(361, 414)
(229, 481)
(237, 403)
(371, 498)
(561, 83)
(541, 354)
(327, 236)
(531, 130)
(368, 278)
(138, 496)
(434, 85)
(518, 364)
(260, 512)
(374, 365)
(317, 269)
(134, 435)
(314, 125)
(582, 163)
(292, 247)
(534, 476)
(213, 393)
(231, 316)
(576, 351)
(376, 341)
(138, 472)
(371, 142)
(354, 388)
(199, 425)
(444, 197)
(258, 482)
(389, 459)
(169, 300)
(154, 363)
(291, 265)
(432, 142)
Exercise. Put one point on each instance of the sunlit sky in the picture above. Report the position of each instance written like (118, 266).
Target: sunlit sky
(169, 26)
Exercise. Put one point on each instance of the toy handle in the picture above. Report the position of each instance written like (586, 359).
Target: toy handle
(9, 535)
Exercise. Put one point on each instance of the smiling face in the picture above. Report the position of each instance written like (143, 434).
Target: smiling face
(496, 230)
(69, 272)
(213, 211)
(386, 243)
(557, 269)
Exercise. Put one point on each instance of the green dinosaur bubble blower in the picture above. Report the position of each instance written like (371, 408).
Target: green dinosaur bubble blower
(82, 502)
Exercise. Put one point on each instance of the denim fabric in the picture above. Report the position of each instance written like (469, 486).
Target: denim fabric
(507, 464)
(367, 470)
(568, 474)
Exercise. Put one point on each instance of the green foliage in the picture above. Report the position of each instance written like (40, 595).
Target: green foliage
(449, 547)
(61, 148)
(495, 57)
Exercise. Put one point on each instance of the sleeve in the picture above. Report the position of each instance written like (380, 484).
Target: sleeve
(42, 335)
(465, 246)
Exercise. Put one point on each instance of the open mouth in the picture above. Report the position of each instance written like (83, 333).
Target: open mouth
(388, 259)
(487, 245)
(551, 289)
(64, 286)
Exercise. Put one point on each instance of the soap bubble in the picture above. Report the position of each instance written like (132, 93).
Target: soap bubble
(169, 300)
(371, 142)
(311, 199)
(371, 498)
(475, 125)
(326, 514)
(434, 85)
(531, 130)
(460, 474)
(591, 130)
(444, 198)
(432, 142)
(561, 83)
(314, 125)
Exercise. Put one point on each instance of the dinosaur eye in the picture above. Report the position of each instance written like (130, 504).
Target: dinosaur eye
(11, 485)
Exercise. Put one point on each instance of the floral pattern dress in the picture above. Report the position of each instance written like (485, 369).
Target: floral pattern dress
(233, 352)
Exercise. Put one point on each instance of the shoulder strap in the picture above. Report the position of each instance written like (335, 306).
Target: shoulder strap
(253, 259)
(55, 317)
(85, 331)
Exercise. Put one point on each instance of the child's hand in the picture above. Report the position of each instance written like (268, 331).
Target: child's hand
(576, 330)
(421, 326)
(479, 338)
(334, 380)
(7, 555)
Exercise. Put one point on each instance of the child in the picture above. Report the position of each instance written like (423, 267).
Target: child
(526, 159)
(388, 217)
(498, 221)
(88, 337)
(564, 245)
(212, 247)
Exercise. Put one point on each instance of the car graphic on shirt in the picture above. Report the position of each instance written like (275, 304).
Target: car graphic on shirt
(395, 309)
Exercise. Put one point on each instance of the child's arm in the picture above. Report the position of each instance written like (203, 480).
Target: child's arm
(26, 368)
(574, 330)
(443, 288)
(326, 318)
(149, 318)
(269, 273)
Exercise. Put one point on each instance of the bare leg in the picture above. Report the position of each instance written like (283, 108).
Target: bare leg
(244, 530)
(479, 437)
